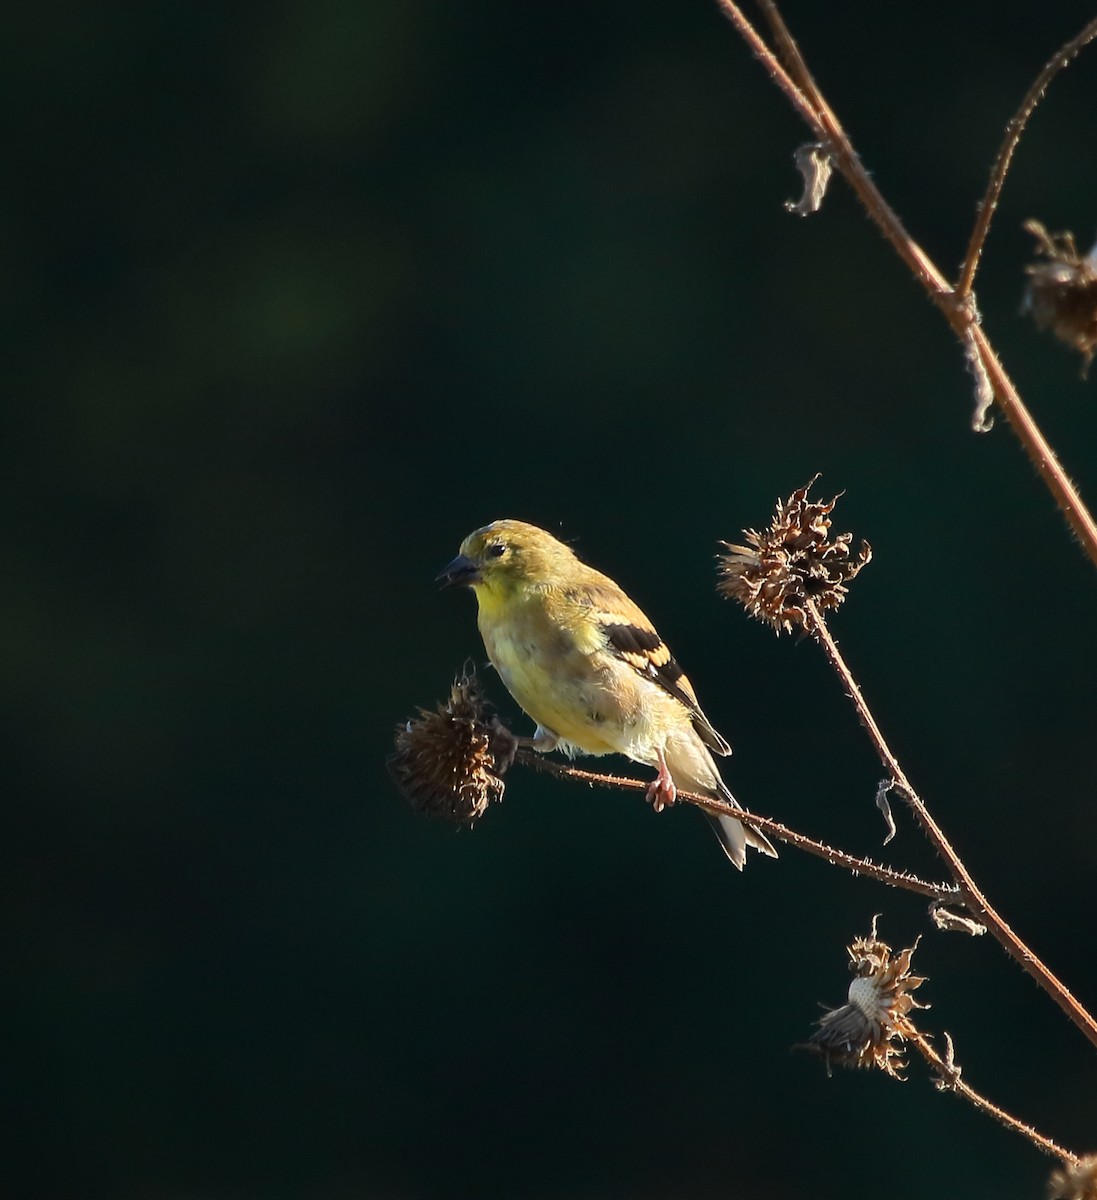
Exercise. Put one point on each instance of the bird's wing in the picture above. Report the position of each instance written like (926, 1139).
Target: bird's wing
(630, 637)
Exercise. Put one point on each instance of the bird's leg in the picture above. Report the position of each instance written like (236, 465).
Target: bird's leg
(544, 741)
(661, 792)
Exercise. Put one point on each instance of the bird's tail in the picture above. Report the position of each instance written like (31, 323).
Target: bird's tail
(733, 835)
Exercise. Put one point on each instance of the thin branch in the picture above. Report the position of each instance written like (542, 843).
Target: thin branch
(958, 310)
(828, 129)
(769, 60)
(950, 1080)
(974, 899)
(1061, 59)
(1036, 446)
(838, 858)
(790, 52)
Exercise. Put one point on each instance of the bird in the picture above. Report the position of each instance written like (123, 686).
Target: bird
(588, 667)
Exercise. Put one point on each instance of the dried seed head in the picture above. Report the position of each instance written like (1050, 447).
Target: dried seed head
(1074, 1180)
(870, 1029)
(1061, 293)
(449, 763)
(792, 562)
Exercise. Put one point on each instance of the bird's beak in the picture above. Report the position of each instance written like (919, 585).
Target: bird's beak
(460, 573)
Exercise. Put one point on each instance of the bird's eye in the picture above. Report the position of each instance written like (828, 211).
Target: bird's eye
(496, 550)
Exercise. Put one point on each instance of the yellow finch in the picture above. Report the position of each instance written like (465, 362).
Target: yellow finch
(586, 664)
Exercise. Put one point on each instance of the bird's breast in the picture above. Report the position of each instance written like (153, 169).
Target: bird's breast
(557, 680)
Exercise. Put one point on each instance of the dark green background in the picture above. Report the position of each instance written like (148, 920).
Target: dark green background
(297, 294)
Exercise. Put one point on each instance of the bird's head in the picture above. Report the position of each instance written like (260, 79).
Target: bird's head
(504, 557)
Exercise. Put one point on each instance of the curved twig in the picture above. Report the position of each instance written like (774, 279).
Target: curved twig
(1061, 59)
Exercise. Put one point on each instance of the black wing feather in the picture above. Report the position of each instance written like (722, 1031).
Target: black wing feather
(644, 650)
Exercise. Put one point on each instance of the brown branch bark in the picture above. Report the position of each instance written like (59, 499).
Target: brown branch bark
(838, 858)
(951, 1081)
(956, 307)
(1061, 59)
(972, 895)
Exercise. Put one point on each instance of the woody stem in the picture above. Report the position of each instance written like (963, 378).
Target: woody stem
(837, 858)
(969, 890)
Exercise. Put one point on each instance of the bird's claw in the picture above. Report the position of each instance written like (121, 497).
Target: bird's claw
(544, 741)
(661, 791)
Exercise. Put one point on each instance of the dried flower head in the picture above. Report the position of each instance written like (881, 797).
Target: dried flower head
(870, 1029)
(1074, 1180)
(792, 562)
(449, 763)
(1062, 292)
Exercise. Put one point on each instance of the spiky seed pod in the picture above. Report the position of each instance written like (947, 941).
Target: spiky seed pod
(870, 1029)
(449, 763)
(1061, 293)
(792, 562)
(1074, 1180)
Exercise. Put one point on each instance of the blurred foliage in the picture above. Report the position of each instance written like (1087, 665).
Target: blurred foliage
(298, 294)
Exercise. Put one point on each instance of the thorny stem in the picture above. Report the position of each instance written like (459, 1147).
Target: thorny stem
(824, 122)
(957, 307)
(1036, 445)
(1062, 58)
(837, 858)
(951, 1081)
(946, 1070)
(973, 897)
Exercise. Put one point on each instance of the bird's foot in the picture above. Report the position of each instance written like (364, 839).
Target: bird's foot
(544, 741)
(661, 791)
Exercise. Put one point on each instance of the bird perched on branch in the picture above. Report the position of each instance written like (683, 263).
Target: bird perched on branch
(587, 665)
